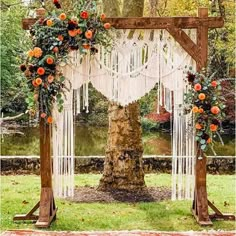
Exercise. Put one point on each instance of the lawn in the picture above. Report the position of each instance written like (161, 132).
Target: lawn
(20, 193)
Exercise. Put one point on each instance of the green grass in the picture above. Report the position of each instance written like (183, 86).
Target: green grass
(20, 193)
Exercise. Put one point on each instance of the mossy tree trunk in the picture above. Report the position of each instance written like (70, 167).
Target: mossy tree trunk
(123, 168)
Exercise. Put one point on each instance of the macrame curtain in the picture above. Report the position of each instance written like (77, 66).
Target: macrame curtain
(137, 62)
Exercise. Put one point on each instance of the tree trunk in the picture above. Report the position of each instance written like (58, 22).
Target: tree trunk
(123, 167)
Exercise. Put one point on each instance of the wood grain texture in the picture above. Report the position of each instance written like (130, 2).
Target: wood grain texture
(152, 22)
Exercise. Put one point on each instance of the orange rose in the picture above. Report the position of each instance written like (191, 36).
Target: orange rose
(103, 16)
(60, 37)
(209, 140)
(30, 53)
(50, 120)
(86, 46)
(43, 115)
(62, 16)
(215, 110)
(195, 109)
(197, 87)
(41, 71)
(38, 81)
(84, 15)
(213, 127)
(200, 110)
(88, 34)
(49, 23)
(201, 96)
(50, 79)
(214, 84)
(34, 83)
(198, 126)
(38, 52)
(107, 25)
(72, 33)
(49, 60)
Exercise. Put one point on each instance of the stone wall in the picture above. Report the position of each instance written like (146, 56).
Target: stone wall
(94, 164)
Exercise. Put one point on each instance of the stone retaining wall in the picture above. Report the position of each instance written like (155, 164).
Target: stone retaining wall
(94, 164)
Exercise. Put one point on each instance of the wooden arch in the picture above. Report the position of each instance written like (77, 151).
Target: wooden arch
(198, 51)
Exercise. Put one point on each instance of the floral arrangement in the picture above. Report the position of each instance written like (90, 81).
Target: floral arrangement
(206, 102)
(54, 36)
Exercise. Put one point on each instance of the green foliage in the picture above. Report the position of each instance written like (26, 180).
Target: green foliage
(13, 44)
(149, 125)
(20, 193)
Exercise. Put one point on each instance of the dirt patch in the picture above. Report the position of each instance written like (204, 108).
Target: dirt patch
(92, 194)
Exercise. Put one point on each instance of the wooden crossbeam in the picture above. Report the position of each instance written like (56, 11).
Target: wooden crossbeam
(152, 22)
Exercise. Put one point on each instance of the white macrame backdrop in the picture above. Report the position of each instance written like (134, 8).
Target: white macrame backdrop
(138, 61)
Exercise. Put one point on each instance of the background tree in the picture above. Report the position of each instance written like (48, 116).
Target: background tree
(123, 168)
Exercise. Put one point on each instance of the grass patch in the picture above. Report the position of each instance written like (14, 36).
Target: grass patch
(20, 193)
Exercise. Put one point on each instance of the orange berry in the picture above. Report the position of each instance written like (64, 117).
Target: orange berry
(201, 96)
(50, 79)
(72, 33)
(197, 87)
(213, 127)
(38, 81)
(103, 16)
(60, 37)
(107, 25)
(49, 23)
(195, 109)
(62, 16)
(41, 71)
(215, 110)
(200, 110)
(198, 126)
(49, 60)
(50, 120)
(43, 115)
(30, 53)
(214, 83)
(88, 34)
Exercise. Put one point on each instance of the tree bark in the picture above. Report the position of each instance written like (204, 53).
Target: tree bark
(123, 167)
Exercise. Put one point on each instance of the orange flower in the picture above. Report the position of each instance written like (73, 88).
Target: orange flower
(79, 31)
(49, 23)
(84, 15)
(103, 16)
(34, 83)
(50, 79)
(201, 96)
(198, 126)
(30, 53)
(41, 71)
(197, 87)
(213, 127)
(209, 140)
(107, 25)
(214, 84)
(55, 49)
(88, 34)
(86, 46)
(38, 52)
(43, 115)
(60, 37)
(49, 60)
(62, 16)
(50, 120)
(38, 81)
(200, 110)
(72, 33)
(195, 109)
(215, 110)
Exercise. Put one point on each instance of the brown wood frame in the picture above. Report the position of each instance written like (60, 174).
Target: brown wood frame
(198, 51)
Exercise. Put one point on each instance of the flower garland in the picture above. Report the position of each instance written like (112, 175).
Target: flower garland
(206, 102)
(54, 36)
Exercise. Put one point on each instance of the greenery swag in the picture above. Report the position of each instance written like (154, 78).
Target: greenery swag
(54, 36)
(207, 103)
